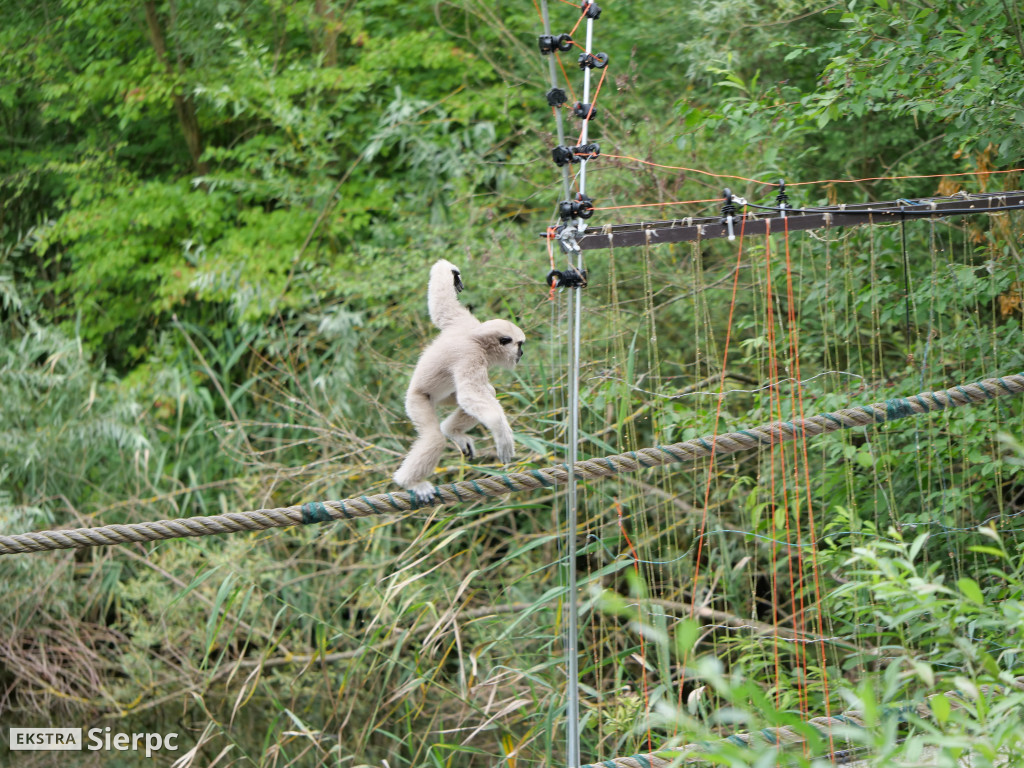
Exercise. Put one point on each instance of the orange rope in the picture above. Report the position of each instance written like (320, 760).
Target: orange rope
(795, 576)
(711, 458)
(593, 102)
(805, 183)
(773, 367)
(898, 178)
(640, 618)
(681, 168)
(565, 75)
(538, 11)
(649, 205)
(582, 16)
(794, 343)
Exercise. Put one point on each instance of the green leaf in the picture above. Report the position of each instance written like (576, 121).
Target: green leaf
(971, 590)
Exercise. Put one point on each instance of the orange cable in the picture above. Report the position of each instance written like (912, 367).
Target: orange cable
(640, 614)
(898, 178)
(573, 30)
(807, 488)
(565, 74)
(772, 374)
(551, 258)
(711, 458)
(681, 168)
(649, 205)
(538, 11)
(805, 183)
(593, 102)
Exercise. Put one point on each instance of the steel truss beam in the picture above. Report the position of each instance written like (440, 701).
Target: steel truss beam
(756, 222)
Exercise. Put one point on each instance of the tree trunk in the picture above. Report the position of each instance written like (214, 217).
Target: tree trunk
(184, 107)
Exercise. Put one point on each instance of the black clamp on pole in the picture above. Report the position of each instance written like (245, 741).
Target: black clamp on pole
(582, 207)
(591, 9)
(563, 155)
(556, 97)
(551, 43)
(587, 151)
(729, 212)
(782, 199)
(593, 60)
(584, 111)
(570, 277)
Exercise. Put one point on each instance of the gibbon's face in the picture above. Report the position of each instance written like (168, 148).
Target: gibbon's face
(503, 341)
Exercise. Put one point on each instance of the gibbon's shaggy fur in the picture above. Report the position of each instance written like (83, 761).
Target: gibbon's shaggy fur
(453, 371)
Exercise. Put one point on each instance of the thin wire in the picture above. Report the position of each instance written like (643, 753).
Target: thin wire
(590, 112)
(681, 168)
(925, 212)
(805, 183)
(802, 445)
(651, 205)
(906, 280)
(568, 83)
(576, 25)
(711, 458)
(643, 650)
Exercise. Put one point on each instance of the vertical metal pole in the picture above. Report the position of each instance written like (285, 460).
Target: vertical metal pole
(572, 605)
(560, 128)
(586, 100)
(572, 707)
(575, 308)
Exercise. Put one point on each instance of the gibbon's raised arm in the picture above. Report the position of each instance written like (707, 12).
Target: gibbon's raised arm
(443, 296)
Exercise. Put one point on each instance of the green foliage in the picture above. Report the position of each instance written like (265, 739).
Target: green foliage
(216, 223)
(942, 63)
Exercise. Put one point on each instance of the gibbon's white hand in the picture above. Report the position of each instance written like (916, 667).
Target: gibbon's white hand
(452, 370)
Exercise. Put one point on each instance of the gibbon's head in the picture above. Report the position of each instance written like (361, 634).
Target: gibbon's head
(502, 342)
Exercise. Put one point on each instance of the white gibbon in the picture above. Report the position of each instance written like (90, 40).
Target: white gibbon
(452, 370)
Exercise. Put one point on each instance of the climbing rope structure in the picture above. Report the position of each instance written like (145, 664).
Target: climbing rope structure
(792, 589)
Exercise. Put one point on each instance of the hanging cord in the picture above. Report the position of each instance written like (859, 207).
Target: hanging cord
(801, 444)
(807, 183)
(714, 452)
(906, 282)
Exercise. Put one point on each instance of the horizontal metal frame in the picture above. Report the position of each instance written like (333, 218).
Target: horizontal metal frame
(753, 224)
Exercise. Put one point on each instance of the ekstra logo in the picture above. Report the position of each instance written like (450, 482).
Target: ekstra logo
(45, 738)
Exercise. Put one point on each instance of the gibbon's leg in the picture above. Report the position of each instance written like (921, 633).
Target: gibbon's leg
(454, 428)
(477, 398)
(425, 452)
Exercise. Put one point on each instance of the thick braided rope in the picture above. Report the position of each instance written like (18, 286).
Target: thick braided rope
(786, 735)
(471, 490)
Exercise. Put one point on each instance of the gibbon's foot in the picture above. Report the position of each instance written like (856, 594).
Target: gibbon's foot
(424, 492)
(465, 444)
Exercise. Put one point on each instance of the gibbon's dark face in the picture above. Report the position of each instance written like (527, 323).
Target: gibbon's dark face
(507, 340)
(504, 342)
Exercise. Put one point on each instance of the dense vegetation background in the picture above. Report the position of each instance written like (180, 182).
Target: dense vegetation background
(216, 221)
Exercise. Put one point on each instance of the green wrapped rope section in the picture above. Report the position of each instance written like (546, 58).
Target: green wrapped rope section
(491, 487)
(786, 735)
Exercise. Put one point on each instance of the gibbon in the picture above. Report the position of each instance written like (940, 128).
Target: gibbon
(452, 370)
